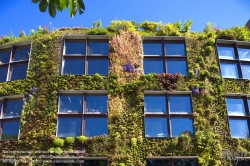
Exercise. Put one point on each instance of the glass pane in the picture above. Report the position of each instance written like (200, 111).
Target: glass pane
(239, 128)
(10, 130)
(75, 66)
(181, 125)
(243, 162)
(98, 66)
(96, 126)
(180, 104)
(13, 108)
(155, 104)
(4, 56)
(226, 52)
(177, 66)
(235, 106)
(69, 127)
(95, 163)
(158, 163)
(244, 53)
(175, 49)
(3, 73)
(153, 66)
(156, 127)
(99, 47)
(75, 47)
(71, 103)
(186, 162)
(154, 49)
(21, 53)
(245, 71)
(96, 103)
(19, 72)
(229, 70)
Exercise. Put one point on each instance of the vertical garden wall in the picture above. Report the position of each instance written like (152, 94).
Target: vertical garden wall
(125, 143)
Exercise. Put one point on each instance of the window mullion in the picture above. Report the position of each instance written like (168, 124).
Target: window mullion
(83, 114)
(239, 62)
(168, 116)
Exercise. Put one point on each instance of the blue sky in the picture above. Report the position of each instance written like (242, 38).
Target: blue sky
(23, 14)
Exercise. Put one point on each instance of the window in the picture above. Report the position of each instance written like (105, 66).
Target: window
(164, 56)
(11, 110)
(86, 56)
(168, 115)
(172, 161)
(82, 114)
(234, 60)
(14, 63)
(239, 116)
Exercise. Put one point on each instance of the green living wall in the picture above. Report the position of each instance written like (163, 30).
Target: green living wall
(125, 143)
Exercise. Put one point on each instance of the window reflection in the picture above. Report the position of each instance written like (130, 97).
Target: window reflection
(19, 72)
(226, 52)
(75, 47)
(69, 103)
(158, 163)
(153, 49)
(181, 104)
(73, 66)
(96, 126)
(69, 127)
(244, 53)
(156, 127)
(96, 103)
(229, 70)
(239, 128)
(177, 66)
(98, 47)
(10, 130)
(5, 56)
(98, 66)
(3, 74)
(153, 66)
(21, 53)
(235, 106)
(155, 104)
(186, 162)
(175, 49)
(13, 107)
(245, 71)
(181, 125)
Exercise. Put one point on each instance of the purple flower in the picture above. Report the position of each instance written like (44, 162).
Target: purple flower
(196, 91)
(129, 67)
(34, 89)
(30, 96)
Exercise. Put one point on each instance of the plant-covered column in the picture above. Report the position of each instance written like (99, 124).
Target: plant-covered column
(125, 114)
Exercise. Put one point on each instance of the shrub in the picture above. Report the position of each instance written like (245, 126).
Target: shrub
(58, 142)
(82, 139)
(150, 26)
(70, 140)
(97, 31)
(118, 25)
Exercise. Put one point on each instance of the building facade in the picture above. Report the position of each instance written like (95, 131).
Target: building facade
(122, 96)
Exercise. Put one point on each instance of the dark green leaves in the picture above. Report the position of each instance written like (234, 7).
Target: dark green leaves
(43, 5)
(60, 5)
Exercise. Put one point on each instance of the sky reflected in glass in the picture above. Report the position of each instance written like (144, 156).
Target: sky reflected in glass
(155, 104)
(96, 103)
(153, 66)
(153, 49)
(181, 125)
(71, 103)
(229, 70)
(175, 49)
(96, 126)
(239, 128)
(226, 52)
(19, 72)
(98, 47)
(75, 47)
(235, 106)
(69, 127)
(98, 66)
(177, 66)
(10, 130)
(180, 104)
(75, 66)
(156, 127)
